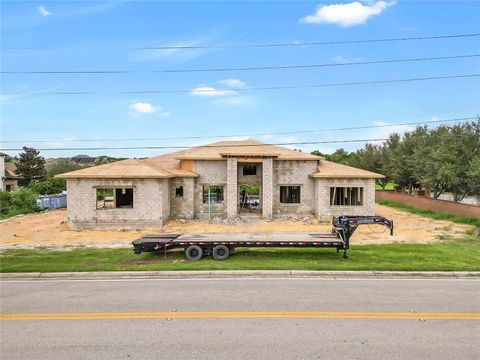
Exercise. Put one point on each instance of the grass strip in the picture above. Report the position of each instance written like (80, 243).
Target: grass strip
(468, 220)
(449, 255)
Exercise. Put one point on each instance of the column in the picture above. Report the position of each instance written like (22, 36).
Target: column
(232, 196)
(267, 188)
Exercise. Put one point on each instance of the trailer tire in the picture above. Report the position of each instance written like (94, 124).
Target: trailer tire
(194, 252)
(221, 252)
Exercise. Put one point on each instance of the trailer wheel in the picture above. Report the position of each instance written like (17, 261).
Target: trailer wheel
(220, 252)
(194, 253)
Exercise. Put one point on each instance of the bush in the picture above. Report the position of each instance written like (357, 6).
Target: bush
(22, 201)
(4, 202)
(49, 186)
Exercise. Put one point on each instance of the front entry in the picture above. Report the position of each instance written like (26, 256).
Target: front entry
(249, 198)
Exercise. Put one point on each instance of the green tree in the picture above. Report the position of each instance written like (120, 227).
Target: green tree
(374, 158)
(30, 166)
(473, 177)
(49, 186)
(464, 144)
(339, 156)
(63, 166)
(433, 159)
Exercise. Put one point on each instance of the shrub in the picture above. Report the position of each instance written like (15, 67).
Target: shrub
(22, 201)
(49, 186)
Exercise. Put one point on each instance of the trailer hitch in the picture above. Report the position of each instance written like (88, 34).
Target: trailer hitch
(345, 225)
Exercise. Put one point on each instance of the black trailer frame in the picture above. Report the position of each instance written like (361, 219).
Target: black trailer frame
(197, 246)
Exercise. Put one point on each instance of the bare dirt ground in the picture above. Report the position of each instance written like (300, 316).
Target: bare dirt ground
(50, 230)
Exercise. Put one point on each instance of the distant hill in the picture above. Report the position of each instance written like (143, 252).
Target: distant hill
(83, 160)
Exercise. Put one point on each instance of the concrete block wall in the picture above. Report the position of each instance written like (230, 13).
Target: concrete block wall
(324, 210)
(2, 172)
(149, 204)
(294, 173)
(267, 188)
(210, 173)
(232, 190)
(165, 198)
(426, 203)
(249, 179)
(182, 207)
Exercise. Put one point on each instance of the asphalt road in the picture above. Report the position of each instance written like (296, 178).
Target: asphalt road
(241, 319)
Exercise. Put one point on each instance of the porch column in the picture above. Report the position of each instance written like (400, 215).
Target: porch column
(232, 196)
(317, 197)
(267, 188)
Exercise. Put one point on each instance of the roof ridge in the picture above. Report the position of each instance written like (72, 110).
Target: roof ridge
(154, 166)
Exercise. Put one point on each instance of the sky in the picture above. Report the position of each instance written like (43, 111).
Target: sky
(113, 35)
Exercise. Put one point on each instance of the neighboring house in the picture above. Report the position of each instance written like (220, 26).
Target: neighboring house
(8, 175)
(205, 181)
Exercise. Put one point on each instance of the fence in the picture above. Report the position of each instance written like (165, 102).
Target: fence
(52, 201)
(425, 203)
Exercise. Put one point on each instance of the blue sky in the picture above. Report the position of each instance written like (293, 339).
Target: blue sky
(67, 35)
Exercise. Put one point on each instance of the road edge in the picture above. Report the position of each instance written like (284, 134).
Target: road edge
(106, 275)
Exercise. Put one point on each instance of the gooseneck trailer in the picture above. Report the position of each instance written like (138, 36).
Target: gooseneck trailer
(221, 245)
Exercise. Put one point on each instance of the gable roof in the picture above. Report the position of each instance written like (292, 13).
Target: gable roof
(241, 148)
(125, 169)
(11, 171)
(328, 169)
(169, 165)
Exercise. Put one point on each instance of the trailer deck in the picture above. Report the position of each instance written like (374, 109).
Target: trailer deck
(221, 245)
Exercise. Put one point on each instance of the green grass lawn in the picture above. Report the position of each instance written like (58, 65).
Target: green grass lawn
(447, 255)
(468, 220)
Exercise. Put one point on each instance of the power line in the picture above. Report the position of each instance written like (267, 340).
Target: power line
(353, 63)
(251, 134)
(316, 43)
(234, 90)
(66, 72)
(268, 45)
(201, 146)
(250, 68)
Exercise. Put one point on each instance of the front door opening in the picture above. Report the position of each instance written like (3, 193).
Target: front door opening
(249, 200)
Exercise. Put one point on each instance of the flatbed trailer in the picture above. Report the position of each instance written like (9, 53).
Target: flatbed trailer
(221, 245)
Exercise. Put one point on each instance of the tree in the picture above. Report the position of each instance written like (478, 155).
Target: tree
(63, 166)
(49, 186)
(30, 166)
(465, 146)
(339, 156)
(433, 161)
(374, 158)
(473, 177)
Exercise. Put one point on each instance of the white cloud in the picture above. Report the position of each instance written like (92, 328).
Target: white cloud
(140, 108)
(234, 83)
(347, 14)
(143, 108)
(211, 91)
(43, 11)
